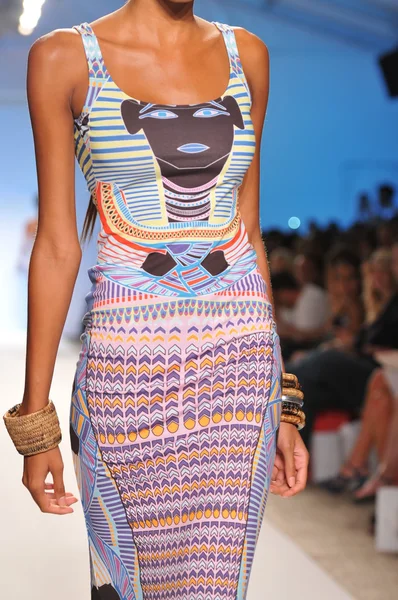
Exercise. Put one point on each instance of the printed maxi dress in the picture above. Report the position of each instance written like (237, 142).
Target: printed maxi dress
(176, 399)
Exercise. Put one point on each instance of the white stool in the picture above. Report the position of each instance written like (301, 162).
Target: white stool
(387, 519)
(329, 450)
(326, 455)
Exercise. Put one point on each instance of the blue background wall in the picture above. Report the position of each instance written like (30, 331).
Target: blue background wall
(331, 130)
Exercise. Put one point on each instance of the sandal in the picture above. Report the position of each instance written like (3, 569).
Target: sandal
(346, 483)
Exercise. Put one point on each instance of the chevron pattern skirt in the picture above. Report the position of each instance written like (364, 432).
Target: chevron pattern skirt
(174, 415)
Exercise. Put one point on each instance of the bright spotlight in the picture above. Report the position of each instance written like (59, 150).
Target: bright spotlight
(294, 222)
(24, 30)
(30, 16)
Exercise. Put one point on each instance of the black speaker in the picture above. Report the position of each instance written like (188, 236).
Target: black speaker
(389, 65)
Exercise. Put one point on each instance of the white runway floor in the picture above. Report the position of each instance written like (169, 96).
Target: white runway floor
(44, 557)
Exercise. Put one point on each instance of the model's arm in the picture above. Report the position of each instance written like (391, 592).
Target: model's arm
(56, 253)
(291, 464)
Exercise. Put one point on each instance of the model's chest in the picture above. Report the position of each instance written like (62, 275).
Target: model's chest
(189, 144)
(179, 76)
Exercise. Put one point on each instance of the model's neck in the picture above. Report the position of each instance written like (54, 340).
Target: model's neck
(159, 11)
(167, 24)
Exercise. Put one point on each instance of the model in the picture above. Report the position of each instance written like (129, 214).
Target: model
(177, 398)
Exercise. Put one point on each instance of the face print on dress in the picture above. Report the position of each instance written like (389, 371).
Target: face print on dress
(191, 143)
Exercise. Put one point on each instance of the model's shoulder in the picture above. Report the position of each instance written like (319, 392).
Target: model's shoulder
(251, 45)
(56, 48)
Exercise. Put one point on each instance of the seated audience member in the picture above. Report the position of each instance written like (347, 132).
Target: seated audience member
(308, 268)
(337, 378)
(281, 259)
(343, 284)
(379, 430)
(302, 312)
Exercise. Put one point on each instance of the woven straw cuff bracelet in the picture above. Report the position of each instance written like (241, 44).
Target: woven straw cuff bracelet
(34, 433)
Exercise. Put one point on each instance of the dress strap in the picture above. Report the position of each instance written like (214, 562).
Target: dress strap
(98, 73)
(233, 52)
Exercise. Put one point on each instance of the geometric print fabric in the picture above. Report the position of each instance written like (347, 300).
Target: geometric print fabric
(176, 399)
(182, 416)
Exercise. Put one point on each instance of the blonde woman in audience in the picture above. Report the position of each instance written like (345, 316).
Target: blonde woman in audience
(379, 427)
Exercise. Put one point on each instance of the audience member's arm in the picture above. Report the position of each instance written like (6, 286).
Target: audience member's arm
(298, 335)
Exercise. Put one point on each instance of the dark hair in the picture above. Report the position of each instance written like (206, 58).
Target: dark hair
(314, 257)
(89, 221)
(343, 255)
(284, 281)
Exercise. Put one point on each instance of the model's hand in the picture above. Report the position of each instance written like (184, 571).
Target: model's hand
(50, 497)
(289, 476)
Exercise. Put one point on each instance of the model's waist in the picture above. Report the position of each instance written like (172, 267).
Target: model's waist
(136, 306)
(119, 285)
